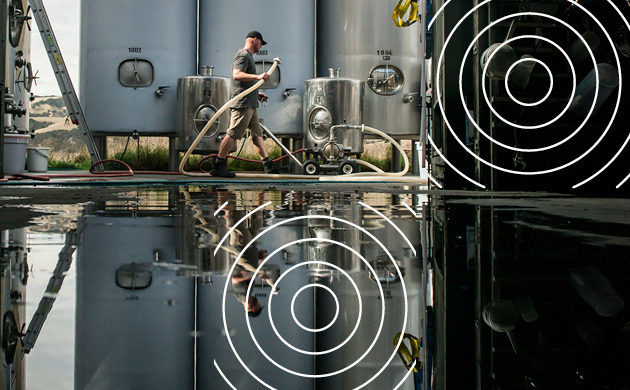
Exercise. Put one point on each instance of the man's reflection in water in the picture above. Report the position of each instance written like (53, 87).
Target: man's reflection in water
(252, 257)
(241, 278)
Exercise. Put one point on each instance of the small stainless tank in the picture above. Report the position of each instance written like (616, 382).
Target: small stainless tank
(331, 101)
(198, 99)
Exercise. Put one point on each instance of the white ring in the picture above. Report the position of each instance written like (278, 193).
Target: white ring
(391, 357)
(501, 168)
(507, 86)
(293, 305)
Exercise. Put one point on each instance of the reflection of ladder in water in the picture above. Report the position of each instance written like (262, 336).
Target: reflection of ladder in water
(73, 238)
(63, 78)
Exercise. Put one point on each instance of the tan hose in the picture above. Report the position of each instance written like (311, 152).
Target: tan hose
(205, 129)
(372, 167)
(377, 176)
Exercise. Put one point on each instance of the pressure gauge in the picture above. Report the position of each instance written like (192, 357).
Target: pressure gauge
(135, 73)
(202, 116)
(386, 80)
(319, 123)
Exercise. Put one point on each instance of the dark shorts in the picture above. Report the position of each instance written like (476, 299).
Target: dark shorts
(242, 119)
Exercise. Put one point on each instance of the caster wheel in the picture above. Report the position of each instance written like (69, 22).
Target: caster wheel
(348, 167)
(311, 167)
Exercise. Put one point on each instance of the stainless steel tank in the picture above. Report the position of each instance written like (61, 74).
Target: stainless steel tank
(289, 28)
(132, 53)
(19, 72)
(368, 46)
(332, 101)
(198, 99)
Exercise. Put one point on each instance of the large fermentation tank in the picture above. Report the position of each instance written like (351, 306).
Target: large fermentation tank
(360, 37)
(132, 53)
(332, 101)
(198, 99)
(289, 28)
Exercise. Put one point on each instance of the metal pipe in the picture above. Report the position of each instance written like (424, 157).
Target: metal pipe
(277, 141)
(423, 83)
(4, 18)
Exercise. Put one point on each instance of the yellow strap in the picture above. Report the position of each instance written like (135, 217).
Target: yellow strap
(408, 357)
(401, 9)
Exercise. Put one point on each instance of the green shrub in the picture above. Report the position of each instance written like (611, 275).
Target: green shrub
(156, 159)
(81, 161)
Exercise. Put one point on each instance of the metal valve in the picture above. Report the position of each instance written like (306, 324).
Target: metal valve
(160, 91)
(287, 92)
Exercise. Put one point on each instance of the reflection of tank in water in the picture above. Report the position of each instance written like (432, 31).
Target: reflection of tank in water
(201, 231)
(134, 314)
(347, 208)
(13, 256)
(212, 342)
(342, 209)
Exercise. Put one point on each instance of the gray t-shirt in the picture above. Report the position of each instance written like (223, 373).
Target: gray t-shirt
(244, 61)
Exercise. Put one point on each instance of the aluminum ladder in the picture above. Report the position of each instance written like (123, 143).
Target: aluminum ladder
(63, 78)
(73, 239)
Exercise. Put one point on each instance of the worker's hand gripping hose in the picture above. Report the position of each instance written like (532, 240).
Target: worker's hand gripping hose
(205, 129)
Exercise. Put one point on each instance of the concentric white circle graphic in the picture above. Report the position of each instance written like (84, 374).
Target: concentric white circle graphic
(368, 266)
(585, 148)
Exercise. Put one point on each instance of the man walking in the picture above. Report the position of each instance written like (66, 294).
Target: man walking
(243, 113)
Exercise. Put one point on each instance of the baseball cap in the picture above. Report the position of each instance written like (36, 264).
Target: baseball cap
(256, 34)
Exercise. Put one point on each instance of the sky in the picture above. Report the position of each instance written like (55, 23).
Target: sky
(64, 19)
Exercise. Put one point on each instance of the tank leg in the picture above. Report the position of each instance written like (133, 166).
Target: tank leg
(395, 164)
(173, 155)
(415, 158)
(298, 144)
(287, 144)
(101, 146)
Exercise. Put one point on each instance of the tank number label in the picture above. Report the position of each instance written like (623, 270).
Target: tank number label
(384, 52)
(262, 52)
(135, 50)
(207, 92)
